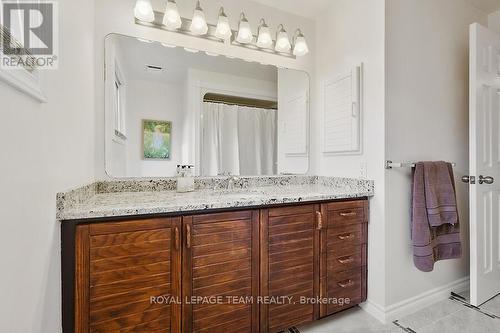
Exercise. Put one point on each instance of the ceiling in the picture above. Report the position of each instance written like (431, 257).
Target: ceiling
(487, 6)
(306, 8)
(175, 62)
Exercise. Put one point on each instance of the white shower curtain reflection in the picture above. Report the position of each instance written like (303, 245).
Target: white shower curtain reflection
(238, 140)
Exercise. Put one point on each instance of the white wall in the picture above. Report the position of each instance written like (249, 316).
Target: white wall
(122, 21)
(46, 148)
(355, 31)
(494, 21)
(426, 119)
(156, 101)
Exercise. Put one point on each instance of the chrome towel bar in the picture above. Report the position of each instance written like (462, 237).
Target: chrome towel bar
(390, 164)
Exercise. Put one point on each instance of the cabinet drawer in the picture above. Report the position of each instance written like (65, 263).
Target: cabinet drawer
(346, 259)
(346, 236)
(345, 213)
(346, 288)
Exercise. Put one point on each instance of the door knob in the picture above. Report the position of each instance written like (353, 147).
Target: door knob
(469, 179)
(486, 180)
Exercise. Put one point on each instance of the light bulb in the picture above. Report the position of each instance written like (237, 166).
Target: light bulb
(223, 30)
(264, 40)
(245, 35)
(282, 41)
(171, 18)
(143, 11)
(300, 48)
(199, 24)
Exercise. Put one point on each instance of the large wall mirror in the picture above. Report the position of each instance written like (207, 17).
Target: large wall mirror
(166, 106)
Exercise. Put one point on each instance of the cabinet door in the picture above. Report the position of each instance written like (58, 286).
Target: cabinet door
(343, 255)
(289, 266)
(221, 272)
(122, 270)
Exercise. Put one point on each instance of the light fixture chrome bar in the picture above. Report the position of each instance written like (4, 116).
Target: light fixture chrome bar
(184, 29)
(391, 164)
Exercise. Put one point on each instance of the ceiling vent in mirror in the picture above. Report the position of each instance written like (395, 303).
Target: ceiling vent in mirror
(154, 68)
(221, 32)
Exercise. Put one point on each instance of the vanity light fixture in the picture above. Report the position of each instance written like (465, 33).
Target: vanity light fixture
(245, 35)
(282, 41)
(171, 18)
(264, 39)
(199, 23)
(300, 47)
(223, 30)
(143, 11)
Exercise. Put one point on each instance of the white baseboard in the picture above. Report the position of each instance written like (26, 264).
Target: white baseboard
(416, 303)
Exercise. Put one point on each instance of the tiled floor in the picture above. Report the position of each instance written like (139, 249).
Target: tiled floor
(443, 317)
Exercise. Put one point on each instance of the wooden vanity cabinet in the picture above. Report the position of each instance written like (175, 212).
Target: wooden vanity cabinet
(119, 266)
(343, 272)
(220, 260)
(289, 264)
(141, 275)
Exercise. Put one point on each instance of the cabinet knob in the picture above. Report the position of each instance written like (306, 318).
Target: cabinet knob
(188, 236)
(347, 214)
(345, 260)
(319, 220)
(346, 283)
(176, 238)
(345, 236)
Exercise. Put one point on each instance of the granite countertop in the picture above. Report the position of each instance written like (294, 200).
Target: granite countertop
(155, 196)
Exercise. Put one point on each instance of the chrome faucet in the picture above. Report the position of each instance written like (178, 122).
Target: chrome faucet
(230, 182)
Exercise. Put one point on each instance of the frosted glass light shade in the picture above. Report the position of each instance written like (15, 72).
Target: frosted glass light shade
(245, 35)
(171, 18)
(282, 41)
(223, 30)
(300, 49)
(143, 11)
(264, 40)
(199, 23)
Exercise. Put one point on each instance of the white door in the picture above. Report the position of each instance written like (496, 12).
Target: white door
(484, 164)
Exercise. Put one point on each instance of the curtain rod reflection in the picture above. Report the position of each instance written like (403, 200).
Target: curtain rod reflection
(241, 101)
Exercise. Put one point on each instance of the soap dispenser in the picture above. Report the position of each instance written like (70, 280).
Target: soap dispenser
(185, 179)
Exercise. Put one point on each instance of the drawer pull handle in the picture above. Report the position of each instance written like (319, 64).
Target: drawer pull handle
(348, 214)
(346, 260)
(188, 236)
(346, 236)
(346, 283)
(319, 219)
(177, 238)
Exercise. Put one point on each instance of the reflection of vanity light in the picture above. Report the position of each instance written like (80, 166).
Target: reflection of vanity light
(264, 40)
(211, 54)
(169, 45)
(300, 46)
(245, 35)
(143, 11)
(198, 23)
(282, 41)
(171, 18)
(145, 40)
(230, 57)
(248, 60)
(191, 50)
(223, 30)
